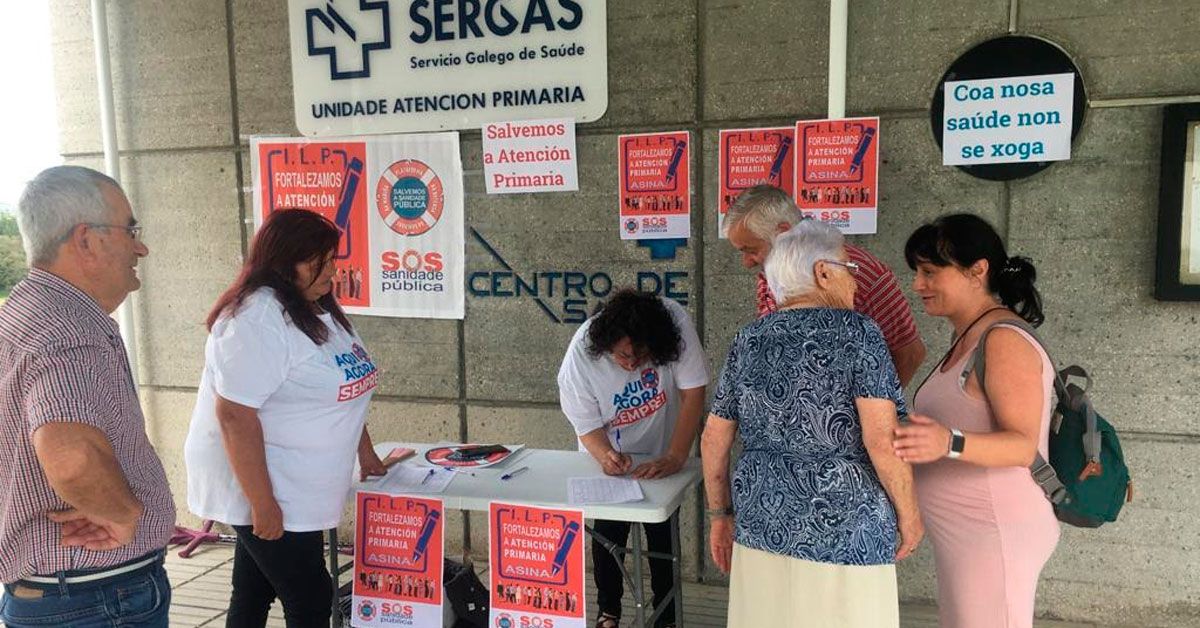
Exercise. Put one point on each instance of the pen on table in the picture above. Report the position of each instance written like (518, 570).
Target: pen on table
(511, 474)
(427, 476)
(619, 440)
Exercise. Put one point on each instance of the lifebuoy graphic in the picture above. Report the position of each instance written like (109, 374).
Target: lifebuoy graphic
(409, 197)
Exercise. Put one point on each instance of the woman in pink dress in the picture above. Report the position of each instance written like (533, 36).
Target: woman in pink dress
(991, 526)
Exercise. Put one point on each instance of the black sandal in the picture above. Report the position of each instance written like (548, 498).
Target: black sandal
(608, 620)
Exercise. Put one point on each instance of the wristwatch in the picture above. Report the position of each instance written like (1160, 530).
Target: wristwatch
(719, 512)
(957, 442)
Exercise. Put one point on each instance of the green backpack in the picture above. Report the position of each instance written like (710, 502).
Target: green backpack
(1086, 478)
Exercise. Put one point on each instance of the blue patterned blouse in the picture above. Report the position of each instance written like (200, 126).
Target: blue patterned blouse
(804, 486)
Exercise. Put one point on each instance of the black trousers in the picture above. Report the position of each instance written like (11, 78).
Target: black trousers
(609, 584)
(291, 568)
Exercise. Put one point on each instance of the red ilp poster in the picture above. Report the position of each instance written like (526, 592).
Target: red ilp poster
(397, 202)
(655, 185)
(837, 175)
(325, 178)
(536, 567)
(397, 561)
(749, 157)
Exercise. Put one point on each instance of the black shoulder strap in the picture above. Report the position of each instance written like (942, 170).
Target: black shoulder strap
(1042, 472)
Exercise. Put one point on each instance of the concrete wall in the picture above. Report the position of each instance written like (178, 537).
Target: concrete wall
(194, 79)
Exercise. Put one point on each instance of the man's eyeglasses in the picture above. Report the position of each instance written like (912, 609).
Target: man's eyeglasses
(134, 231)
(852, 267)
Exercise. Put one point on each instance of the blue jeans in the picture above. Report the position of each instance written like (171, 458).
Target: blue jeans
(139, 598)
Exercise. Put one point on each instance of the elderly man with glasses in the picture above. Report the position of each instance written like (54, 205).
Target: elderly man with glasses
(88, 510)
(763, 212)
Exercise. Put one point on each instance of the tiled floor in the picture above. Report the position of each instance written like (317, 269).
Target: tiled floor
(200, 593)
(200, 586)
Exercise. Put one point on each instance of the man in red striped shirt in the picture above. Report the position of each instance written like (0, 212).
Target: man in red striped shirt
(87, 507)
(763, 212)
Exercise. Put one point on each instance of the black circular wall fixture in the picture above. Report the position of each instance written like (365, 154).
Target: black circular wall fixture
(1010, 55)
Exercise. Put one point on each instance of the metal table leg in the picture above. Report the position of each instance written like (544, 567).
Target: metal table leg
(639, 593)
(634, 580)
(676, 571)
(335, 620)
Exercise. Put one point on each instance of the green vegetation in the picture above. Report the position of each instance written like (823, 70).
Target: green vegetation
(12, 255)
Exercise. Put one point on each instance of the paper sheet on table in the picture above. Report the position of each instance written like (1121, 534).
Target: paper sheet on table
(411, 479)
(603, 490)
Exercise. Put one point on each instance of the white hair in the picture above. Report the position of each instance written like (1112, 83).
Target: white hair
(54, 202)
(789, 266)
(761, 208)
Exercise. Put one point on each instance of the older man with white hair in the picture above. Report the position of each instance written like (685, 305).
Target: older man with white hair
(820, 508)
(87, 507)
(759, 214)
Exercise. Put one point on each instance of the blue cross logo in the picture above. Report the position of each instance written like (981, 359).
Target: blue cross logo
(350, 50)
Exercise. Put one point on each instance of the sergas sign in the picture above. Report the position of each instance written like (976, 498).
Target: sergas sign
(389, 66)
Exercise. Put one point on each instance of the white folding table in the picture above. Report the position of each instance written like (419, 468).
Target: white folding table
(545, 484)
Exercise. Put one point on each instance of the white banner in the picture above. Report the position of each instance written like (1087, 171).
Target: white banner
(389, 66)
(530, 156)
(1007, 120)
(398, 201)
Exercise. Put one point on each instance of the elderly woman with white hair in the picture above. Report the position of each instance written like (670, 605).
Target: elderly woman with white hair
(820, 508)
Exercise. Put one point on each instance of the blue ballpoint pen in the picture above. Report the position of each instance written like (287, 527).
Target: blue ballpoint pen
(511, 474)
(427, 476)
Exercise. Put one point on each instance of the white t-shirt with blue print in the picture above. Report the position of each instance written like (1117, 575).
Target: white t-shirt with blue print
(312, 403)
(639, 406)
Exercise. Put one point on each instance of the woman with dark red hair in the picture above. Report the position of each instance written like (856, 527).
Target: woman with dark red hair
(280, 414)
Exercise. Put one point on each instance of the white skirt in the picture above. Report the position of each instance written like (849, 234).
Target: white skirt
(767, 589)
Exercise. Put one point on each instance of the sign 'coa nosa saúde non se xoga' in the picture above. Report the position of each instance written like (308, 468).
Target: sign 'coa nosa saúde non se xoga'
(1008, 120)
(396, 66)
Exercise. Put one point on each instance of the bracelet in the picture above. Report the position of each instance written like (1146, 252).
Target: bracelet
(719, 512)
